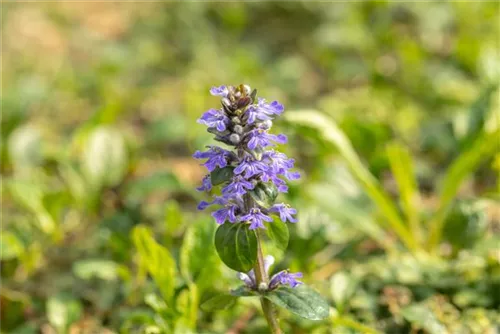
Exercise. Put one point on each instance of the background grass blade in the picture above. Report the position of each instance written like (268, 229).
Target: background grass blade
(332, 134)
(403, 171)
(483, 148)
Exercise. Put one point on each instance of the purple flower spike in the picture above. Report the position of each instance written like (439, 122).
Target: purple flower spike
(214, 118)
(285, 212)
(285, 277)
(256, 219)
(244, 124)
(219, 91)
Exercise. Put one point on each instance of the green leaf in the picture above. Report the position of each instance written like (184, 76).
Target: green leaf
(220, 302)
(173, 216)
(478, 114)
(12, 246)
(156, 303)
(331, 133)
(25, 148)
(31, 196)
(342, 288)
(137, 190)
(264, 194)
(188, 303)
(343, 321)
(301, 300)
(221, 175)
(62, 311)
(198, 257)
(103, 269)
(466, 224)
(236, 245)
(423, 317)
(278, 232)
(105, 157)
(157, 260)
(403, 171)
(483, 148)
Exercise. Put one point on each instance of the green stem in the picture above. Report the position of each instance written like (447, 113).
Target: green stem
(261, 277)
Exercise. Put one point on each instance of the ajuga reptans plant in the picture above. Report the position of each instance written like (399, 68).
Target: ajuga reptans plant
(251, 174)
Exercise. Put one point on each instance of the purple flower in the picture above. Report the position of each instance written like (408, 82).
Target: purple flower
(281, 278)
(216, 157)
(256, 218)
(206, 184)
(278, 161)
(215, 118)
(250, 167)
(285, 212)
(292, 175)
(263, 111)
(226, 213)
(285, 277)
(238, 187)
(269, 175)
(218, 200)
(249, 278)
(260, 138)
(219, 91)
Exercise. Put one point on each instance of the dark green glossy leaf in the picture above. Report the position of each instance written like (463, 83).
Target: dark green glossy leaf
(221, 175)
(278, 232)
(302, 301)
(264, 194)
(219, 302)
(236, 246)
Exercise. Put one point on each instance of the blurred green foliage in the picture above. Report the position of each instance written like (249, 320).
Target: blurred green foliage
(399, 204)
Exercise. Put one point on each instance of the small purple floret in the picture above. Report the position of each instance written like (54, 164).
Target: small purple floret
(216, 157)
(256, 218)
(226, 213)
(238, 187)
(206, 184)
(214, 118)
(285, 212)
(285, 277)
(250, 167)
(219, 91)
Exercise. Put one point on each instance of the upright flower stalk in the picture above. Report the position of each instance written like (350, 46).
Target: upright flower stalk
(251, 173)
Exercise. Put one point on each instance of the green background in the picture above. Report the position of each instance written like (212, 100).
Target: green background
(99, 109)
